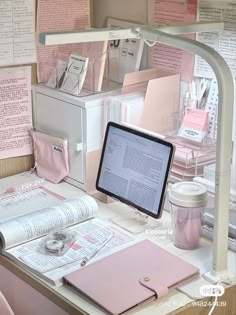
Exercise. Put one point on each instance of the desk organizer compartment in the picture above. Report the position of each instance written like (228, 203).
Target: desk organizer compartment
(185, 174)
(80, 73)
(190, 157)
(147, 99)
(125, 106)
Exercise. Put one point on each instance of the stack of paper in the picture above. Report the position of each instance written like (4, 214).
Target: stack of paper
(125, 108)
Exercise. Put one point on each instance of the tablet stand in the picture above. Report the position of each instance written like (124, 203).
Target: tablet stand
(136, 222)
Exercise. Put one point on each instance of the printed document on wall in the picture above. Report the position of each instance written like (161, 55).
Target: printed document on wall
(57, 16)
(17, 32)
(225, 42)
(165, 56)
(16, 112)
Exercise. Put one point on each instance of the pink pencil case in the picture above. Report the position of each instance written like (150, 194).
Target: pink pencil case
(51, 156)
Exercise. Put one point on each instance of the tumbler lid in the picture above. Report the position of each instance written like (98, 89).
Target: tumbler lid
(188, 194)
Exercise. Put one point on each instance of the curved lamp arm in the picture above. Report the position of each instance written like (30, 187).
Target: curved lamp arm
(224, 138)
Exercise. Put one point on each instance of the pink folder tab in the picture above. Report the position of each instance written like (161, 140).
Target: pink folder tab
(145, 75)
(195, 118)
(135, 275)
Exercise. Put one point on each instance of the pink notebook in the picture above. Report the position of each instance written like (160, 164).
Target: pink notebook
(134, 275)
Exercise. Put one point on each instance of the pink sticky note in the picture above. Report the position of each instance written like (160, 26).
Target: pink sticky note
(195, 118)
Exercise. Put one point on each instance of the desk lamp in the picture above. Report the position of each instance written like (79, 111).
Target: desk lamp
(167, 34)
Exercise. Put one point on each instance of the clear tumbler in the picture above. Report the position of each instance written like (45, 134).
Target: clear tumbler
(187, 202)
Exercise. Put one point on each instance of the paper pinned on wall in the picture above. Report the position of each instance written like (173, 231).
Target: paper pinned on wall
(225, 42)
(124, 55)
(164, 56)
(16, 112)
(55, 16)
(17, 32)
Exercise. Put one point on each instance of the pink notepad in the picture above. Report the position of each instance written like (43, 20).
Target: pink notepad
(135, 275)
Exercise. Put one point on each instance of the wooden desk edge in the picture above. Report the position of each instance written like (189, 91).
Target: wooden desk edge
(54, 296)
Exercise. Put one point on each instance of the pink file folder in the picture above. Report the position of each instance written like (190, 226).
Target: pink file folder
(130, 277)
(161, 100)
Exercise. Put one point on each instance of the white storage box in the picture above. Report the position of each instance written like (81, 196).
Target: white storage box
(80, 119)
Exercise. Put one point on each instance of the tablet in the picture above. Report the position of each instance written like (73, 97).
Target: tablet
(134, 168)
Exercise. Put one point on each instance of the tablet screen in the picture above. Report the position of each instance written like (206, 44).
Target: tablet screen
(134, 168)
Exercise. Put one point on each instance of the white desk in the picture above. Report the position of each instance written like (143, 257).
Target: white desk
(29, 293)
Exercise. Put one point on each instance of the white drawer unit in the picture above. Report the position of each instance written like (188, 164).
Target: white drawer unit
(79, 119)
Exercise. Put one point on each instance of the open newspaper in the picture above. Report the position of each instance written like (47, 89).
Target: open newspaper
(20, 237)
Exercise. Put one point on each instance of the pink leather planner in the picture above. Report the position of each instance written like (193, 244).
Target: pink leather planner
(132, 276)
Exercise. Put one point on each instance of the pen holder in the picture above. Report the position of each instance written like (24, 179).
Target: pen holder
(189, 102)
(187, 201)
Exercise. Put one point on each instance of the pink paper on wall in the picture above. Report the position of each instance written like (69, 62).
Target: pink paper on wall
(164, 56)
(56, 16)
(16, 112)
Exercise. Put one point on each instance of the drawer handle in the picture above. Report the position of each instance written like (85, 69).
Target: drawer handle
(78, 147)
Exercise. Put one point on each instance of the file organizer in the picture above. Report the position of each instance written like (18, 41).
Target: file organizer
(126, 107)
(80, 73)
(147, 99)
(190, 157)
(138, 274)
(161, 98)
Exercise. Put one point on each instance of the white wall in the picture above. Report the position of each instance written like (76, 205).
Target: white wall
(130, 10)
